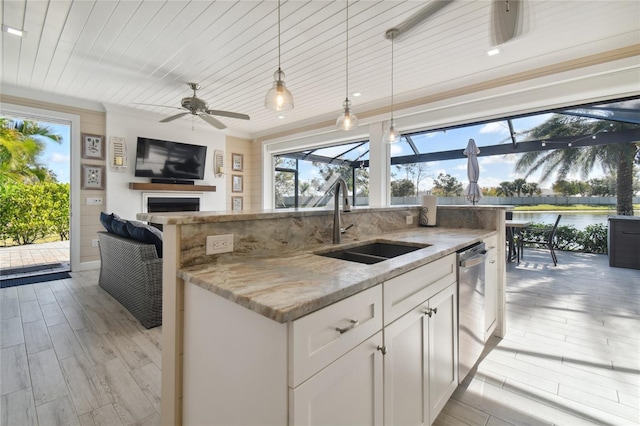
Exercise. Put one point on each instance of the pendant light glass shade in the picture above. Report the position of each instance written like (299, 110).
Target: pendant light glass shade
(279, 98)
(392, 135)
(347, 120)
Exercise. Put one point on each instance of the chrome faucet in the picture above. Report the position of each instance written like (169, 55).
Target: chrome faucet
(337, 229)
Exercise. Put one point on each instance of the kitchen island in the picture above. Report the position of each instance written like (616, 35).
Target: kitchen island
(230, 321)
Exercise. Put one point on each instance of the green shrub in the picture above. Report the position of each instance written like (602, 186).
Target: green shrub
(32, 211)
(592, 240)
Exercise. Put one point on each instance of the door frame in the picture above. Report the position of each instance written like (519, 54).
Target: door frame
(40, 114)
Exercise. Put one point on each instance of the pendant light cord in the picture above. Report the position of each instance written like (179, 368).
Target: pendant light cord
(347, 53)
(392, 42)
(278, 34)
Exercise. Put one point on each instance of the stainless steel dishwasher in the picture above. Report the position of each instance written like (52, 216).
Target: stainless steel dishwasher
(471, 279)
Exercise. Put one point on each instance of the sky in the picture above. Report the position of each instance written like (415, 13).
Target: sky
(57, 157)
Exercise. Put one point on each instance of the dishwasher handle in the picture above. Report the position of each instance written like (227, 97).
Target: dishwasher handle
(474, 260)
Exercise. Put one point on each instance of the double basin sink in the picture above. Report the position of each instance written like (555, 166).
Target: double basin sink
(375, 252)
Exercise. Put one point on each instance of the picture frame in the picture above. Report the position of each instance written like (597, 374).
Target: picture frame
(236, 183)
(92, 147)
(93, 177)
(236, 204)
(236, 162)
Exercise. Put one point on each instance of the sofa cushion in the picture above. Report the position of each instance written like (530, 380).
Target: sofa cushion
(145, 234)
(120, 227)
(107, 220)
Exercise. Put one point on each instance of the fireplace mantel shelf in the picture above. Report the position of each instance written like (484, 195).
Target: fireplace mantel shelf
(171, 187)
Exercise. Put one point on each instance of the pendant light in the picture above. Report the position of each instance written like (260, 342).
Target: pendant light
(278, 97)
(347, 120)
(392, 135)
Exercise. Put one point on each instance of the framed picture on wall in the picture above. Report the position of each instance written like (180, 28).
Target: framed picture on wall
(236, 183)
(92, 177)
(92, 146)
(236, 204)
(236, 162)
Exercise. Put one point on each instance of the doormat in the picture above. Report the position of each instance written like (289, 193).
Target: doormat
(35, 279)
(30, 269)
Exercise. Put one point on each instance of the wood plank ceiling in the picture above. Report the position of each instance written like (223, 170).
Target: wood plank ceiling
(131, 52)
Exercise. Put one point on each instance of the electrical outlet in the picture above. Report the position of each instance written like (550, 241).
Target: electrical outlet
(219, 244)
(409, 219)
(94, 201)
(95, 242)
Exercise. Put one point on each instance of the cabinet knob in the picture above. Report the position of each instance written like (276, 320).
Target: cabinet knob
(383, 349)
(354, 323)
(430, 311)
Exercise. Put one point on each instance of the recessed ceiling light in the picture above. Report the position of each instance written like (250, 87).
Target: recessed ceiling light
(356, 94)
(10, 30)
(493, 52)
(281, 117)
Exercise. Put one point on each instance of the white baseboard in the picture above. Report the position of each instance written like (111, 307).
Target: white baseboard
(87, 266)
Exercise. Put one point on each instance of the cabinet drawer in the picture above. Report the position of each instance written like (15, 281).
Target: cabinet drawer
(323, 336)
(491, 243)
(405, 292)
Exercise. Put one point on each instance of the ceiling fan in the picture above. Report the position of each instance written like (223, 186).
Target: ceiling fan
(196, 106)
(506, 19)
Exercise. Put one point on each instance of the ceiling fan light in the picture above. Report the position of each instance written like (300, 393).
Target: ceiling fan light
(278, 97)
(392, 135)
(347, 120)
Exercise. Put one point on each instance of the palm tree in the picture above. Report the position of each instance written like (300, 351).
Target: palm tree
(519, 185)
(21, 142)
(506, 189)
(614, 158)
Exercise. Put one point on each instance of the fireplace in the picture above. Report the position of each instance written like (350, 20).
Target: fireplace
(173, 204)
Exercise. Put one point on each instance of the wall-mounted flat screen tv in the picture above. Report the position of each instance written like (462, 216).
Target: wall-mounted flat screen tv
(166, 160)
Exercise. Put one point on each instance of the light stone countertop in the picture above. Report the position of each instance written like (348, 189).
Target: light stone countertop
(290, 284)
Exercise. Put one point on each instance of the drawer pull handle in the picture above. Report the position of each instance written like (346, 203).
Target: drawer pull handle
(430, 311)
(354, 324)
(383, 349)
(492, 261)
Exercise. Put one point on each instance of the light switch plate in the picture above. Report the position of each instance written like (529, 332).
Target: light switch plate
(409, 219)
(94, 201)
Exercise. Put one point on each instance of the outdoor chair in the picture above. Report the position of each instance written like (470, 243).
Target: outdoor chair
(547, 239)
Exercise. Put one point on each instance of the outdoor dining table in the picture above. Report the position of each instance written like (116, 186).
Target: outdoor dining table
(513, 228)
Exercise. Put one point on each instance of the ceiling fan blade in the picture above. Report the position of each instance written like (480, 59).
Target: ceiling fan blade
(506, 20)
(173, 117)
(228, 114)
(154, 105)
(215, 123)
(419, 17)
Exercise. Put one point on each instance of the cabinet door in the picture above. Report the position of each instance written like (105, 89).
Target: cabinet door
(347, 392)
(405, 369)
(443, 349)
(491, 292)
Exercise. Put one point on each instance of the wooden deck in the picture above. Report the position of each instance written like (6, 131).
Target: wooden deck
(71, 355)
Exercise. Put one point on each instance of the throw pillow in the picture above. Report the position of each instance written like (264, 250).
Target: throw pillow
(120, 227)
(146, 234)
(107, 219)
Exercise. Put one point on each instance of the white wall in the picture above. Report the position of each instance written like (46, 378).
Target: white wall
(128, 123)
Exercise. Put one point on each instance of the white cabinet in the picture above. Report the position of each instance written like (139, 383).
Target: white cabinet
(406, 367)
(443, 349)
(347, 392)
(420, 364)
(345, 364)
(491, 287)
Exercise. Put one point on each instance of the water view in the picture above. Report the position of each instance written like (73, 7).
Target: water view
(578, 219)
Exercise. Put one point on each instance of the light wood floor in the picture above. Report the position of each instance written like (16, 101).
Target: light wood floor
(72, 355)
(571, 355)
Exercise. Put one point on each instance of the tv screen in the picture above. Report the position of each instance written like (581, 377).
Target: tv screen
(159, 159)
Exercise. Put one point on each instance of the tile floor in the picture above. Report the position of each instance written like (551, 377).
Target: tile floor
(71, 355)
